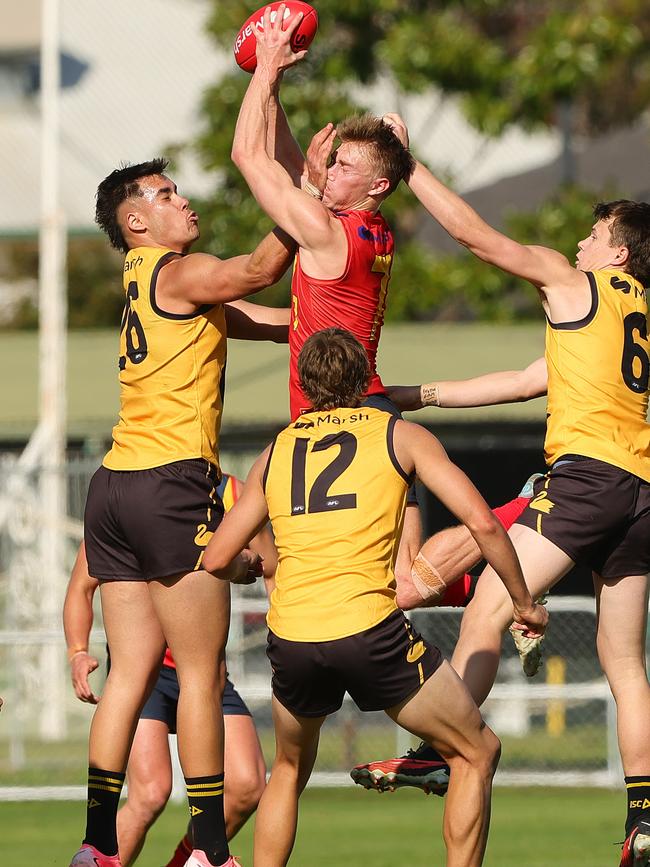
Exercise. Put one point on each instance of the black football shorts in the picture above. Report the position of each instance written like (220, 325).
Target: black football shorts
(163, 701)
(598, 514)
(379, 667)
(146, 524)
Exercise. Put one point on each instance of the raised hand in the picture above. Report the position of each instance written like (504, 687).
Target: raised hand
(395, 122)
(274, 51)
(318, 155)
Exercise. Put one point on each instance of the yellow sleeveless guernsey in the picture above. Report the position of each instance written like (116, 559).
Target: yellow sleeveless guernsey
(336, 498)
(598, 378)
(171, 368)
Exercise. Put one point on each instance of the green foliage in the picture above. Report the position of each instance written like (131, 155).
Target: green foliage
(513, 61)
(95, 293)
(461, 287)
(507, 61)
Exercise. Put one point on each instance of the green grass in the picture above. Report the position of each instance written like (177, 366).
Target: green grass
(532, 827)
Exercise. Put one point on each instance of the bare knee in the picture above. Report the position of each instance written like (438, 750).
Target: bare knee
(480, 756)
(147, 799)
(622, 670)
(492, 749)
(244, 792)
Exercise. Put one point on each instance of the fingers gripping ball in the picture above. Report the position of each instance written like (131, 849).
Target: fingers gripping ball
(244, 47)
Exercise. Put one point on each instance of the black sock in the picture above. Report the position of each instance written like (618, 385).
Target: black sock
(638, 800)
(205, 797)
(104, 788)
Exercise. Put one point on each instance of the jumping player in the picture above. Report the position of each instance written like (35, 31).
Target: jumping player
(149, 772)
(345, 246)
(152, 506)
(334, 484)
(593, 505)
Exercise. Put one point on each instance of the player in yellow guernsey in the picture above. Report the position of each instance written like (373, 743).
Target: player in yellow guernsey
(153, 505)
(334, 485)
(149, 772)
(593, 505)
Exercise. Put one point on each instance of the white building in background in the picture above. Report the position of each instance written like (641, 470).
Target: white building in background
(133, 75)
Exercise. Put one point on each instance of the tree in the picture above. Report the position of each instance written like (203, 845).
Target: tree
(508, 61)
(534, 63)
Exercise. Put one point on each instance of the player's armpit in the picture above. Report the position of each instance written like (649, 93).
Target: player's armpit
(405, 397)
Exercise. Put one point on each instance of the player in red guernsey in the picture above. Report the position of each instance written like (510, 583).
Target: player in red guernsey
(356, 300)
(345, 247)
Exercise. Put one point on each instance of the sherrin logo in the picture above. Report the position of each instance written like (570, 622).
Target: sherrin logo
(259, 24)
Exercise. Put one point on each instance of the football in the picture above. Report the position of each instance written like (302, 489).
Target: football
(244, 47)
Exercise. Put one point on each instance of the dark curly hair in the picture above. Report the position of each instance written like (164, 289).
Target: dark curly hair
(119, 186)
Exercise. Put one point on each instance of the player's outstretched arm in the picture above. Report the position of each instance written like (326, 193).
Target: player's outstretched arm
(77, 623)
(248, 321)
(540, 265)
(503, 386)
(226, 554)
(263, 544)
(200, 278)
(302, 216)
(281, 144)
(417, 449)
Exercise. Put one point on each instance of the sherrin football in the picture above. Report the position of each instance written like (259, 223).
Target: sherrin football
(244, 47)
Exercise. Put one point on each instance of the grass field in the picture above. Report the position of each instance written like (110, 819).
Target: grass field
(531, 827)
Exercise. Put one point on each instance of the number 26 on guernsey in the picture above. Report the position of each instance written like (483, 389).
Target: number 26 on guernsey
(136, 341)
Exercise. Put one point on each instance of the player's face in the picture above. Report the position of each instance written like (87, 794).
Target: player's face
(167, 217)
(596, 251)
(348, 178)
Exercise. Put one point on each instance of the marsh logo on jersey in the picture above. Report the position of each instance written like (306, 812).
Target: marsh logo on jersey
(541, 503)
